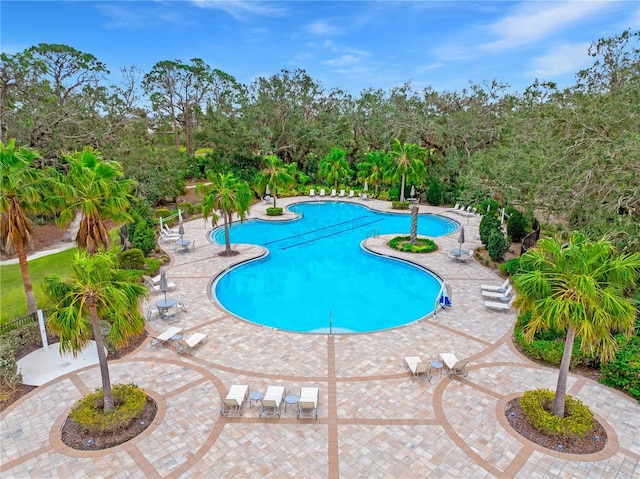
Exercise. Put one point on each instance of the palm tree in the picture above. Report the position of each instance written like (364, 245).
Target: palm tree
(372, 168)
(96, 189)
(334, 167)
(25, 191)
(406, 161)
(275, 175)
(228, 195)
(581, 288)
(95, 291)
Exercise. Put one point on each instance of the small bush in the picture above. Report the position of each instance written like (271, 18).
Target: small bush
(511, 267)
(161, 212)
(488, 224)
(400, 205)
(497, 245)
(131, 259)
(10, 377)
(434, 193)
(536, 406)
(517, 226)
(186, 208)
(623, 372)
(423, 245)
(152, 266)
(129, 401)
(383, 195)
(271, 211)
(144, 238)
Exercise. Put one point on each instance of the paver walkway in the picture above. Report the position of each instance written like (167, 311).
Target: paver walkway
(373, 421)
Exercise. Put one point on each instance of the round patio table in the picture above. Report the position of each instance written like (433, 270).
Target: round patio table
(255, 396)
(290, 399)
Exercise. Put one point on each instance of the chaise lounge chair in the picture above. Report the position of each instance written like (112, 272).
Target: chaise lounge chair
(322, 192)
(155, 288)
(455, 208)
(351, 194)
(333, 193)
(191, 343)
(308, 403)
(459, 369)
(498, 305)
(312, 192)
(417, 367)
(272, 401)
(165, 336)
(236, 397)
(341, 194)
(501, 295)
(491, 287)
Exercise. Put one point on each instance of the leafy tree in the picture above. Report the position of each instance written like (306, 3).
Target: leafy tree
(95, 189)
(406, 162)
(488, 224)
(228, 195)
(334, 167)
(497, 245)
(93, 292)
(581, 288)
(517, 226)
(275, 174)
(372, 168)
(434, 193)
(25, 190)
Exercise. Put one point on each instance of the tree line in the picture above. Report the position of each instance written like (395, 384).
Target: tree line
(568, 156)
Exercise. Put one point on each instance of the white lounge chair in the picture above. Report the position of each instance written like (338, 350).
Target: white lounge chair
(498, 305)
(491, 287)
(165, 336)
(341, 194)
(503, 296)
(168, 231)
(155, 288)
(308, 402)
(449, 360)
(236, 397)
(191, 343)
(351, 194)
(272, 401)
(312, 192)
(417, 367)
(167, 238)
(322, 192)
(333, 193)
(455, 208)
(459, 368)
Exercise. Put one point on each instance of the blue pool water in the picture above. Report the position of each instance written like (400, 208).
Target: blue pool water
(316, 269)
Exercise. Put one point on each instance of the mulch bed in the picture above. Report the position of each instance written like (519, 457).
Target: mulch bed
(74, 436)
(574, 445)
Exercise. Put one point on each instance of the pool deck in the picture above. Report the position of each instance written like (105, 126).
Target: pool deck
(372, 421)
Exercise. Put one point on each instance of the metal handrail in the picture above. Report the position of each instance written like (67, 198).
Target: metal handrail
(438, 296)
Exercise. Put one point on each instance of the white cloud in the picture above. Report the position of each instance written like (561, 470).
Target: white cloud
(320, 27)
(562, 60)
(531, 22)
(239, 9)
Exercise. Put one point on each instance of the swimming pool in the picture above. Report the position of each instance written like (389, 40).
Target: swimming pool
(316, 271)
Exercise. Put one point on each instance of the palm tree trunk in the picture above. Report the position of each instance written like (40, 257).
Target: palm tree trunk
(32, 305)
(227, 243)
(402, 189)
(102, 359)
(414, 223)
(274, 196)
(561, 387)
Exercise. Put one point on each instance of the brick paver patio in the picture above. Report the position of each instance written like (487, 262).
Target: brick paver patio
(373, 421)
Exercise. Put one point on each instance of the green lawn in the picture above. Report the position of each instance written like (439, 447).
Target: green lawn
(13, 303)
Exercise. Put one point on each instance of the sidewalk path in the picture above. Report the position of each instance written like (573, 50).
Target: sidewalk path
(373, 421)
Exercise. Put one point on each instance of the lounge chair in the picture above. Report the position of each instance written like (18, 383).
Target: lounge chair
(417, 367)
(351, 194)
(191, 343)
(236, 397)
(498, 305)
(503, 296)
(312, 192)
(449, 360)
(167, 238)
(155, 288)
(491, 287)
(333, 193)
(455, 208)
(308, 403)
(341, 194)
(459, 368)
(272, 401)
(322, 192)
(165, 336)
(191, 247)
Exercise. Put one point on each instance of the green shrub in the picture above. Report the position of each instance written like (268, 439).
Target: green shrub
(400, 205)
(423, 245)
(511, 267)
(152, 265)
(10, 377)
(394, 194)
(271, 211)
(536, 407)
(129, 401)
(623, 372)
(517, 226)
(144, 238)
(497, 245)
(434, 193)
(186, 208)
(131, 259)
(161, 212)
(383, 195)
(488, 224)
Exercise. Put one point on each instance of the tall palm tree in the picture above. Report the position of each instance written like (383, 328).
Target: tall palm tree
(372, 168)
(581, 288)
(25, 190)
(95, 291)
(228, 195)
(334, 167)
(406, 161)
(97, 190)
(275, 175)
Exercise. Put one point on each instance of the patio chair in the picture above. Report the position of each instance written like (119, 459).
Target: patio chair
(168, 231)
(308, 403)
(165, 336)
(417, 367)
(491, 287)
(155, 288)
(333, 192)
(455, 208)
(236, 397)
(191, 247)
(498, 305)
(168, 238)
(191, 343)
(272, 401)
(341, 194)
(322, 192)
(503, 296)
(312, 192)
(460, 369)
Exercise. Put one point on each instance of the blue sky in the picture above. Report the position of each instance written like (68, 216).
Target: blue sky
(351, 45)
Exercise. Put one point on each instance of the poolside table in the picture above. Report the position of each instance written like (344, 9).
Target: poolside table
(164, 305)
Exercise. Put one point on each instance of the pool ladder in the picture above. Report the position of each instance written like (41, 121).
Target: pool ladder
(375, 232)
